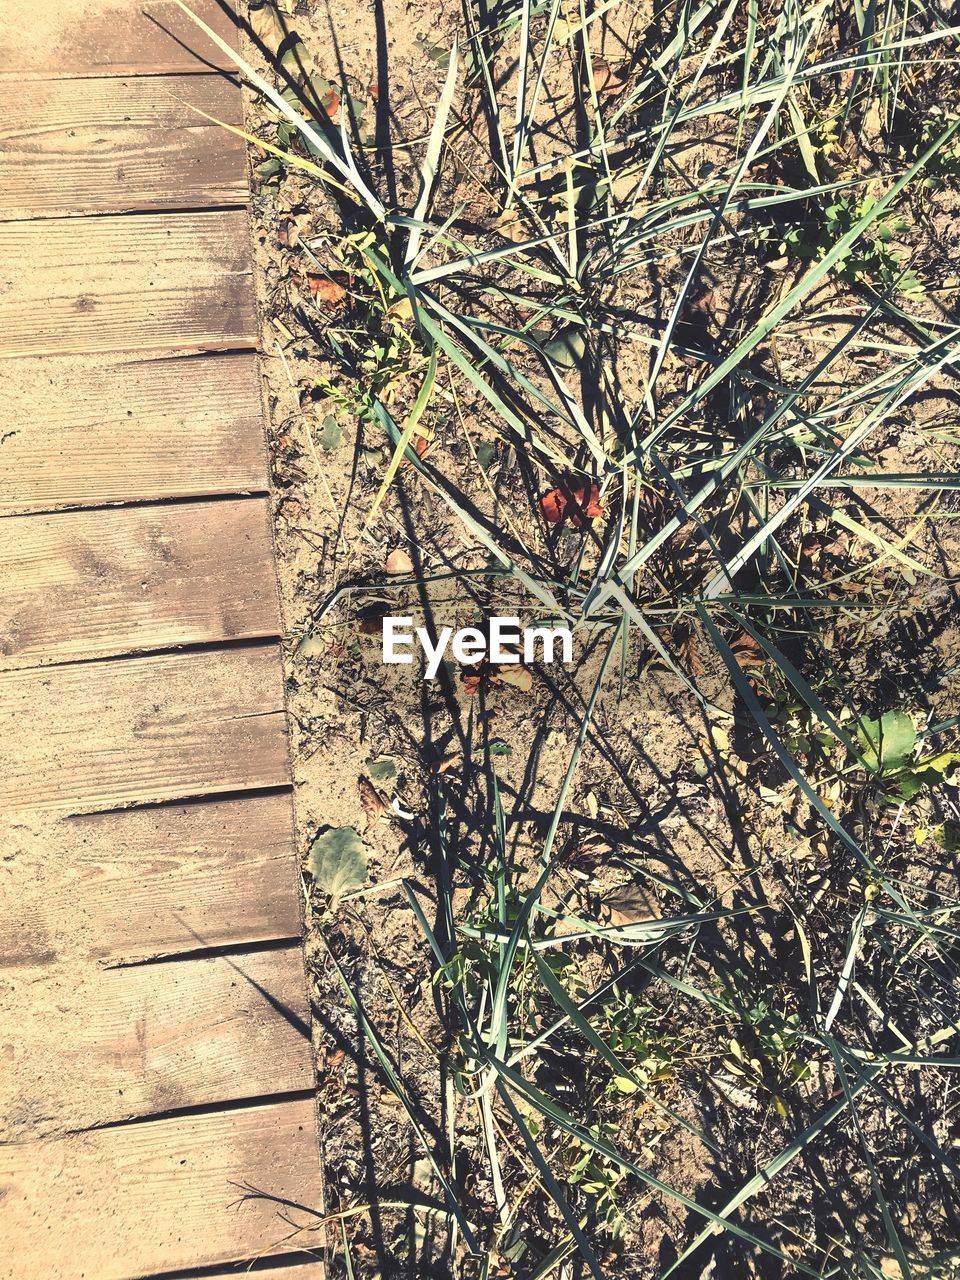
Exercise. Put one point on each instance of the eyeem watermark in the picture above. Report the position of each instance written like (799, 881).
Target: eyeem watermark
(499, 643)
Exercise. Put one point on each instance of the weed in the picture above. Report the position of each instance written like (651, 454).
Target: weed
(874, 260)
(629, 1026)
(600, 1179)
(769, 1052)
(889, 748)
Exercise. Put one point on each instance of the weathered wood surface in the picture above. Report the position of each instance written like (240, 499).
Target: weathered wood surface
(89, 430)
(101, 735)
(161, 1196)
(146, 282)
(138, 884)
(109, 37)
(117, 847)
(112, 146)
(90, 584)
(104, 1045)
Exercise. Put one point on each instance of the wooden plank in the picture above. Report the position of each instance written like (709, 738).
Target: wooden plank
(116, 146)
(160, 1196)
(101, 735)
(137, 884)
(165, 281)
(92, 584)
(154, 1038)
(109, 37)
(90, 430)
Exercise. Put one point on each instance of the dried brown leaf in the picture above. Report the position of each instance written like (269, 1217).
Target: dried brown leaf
(519, 677)
(374, 805)
(398, 562)
(630, 904)
(747, 651)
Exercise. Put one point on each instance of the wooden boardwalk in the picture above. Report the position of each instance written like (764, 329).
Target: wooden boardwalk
(156, 1072)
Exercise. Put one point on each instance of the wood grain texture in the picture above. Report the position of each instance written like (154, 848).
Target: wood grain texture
(119, 145)
(173, 282)
(93, 417)
(91, 584)
(109, 37)
(101, 735)
(90, 430)
(140, 1041)
(138, 884)
(154, 1197)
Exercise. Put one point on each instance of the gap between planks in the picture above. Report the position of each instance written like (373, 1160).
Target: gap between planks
(277, 1267)
(308, 1269)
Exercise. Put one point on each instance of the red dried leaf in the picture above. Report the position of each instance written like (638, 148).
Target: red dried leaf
(447, 762)
(374, 805)
(747, 651)
(326, 289)
(331, 103)
(609, 79)
(398, 562)
(689, 648)
(575, 498)
(474, 676)
(552, 506)
(421, 446)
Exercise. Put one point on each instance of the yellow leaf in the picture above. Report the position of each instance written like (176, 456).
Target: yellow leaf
(416, 412)
(401, 310)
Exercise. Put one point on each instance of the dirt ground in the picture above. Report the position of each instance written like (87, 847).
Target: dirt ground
(659, 819)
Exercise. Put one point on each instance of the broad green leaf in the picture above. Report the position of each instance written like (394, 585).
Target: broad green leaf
(270, 169)
(888, 742)
(947, 836)
(942, 764)
(567, 348)
(338, 861)
(330, 434)
(486, 453)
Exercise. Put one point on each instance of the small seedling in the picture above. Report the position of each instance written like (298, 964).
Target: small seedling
(769, 1056)
(873, 260)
